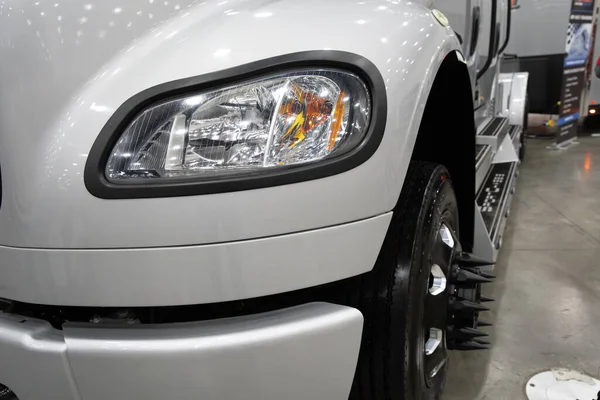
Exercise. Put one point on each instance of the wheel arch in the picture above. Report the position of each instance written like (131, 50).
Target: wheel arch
(447, 133)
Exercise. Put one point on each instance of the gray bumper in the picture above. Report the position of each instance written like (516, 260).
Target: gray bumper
(304, 352)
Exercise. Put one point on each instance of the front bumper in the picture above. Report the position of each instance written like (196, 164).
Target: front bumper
(304, 352)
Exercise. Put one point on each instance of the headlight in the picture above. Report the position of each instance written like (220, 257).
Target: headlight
(279, 120)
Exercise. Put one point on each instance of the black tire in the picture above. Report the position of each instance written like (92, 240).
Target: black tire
(6, 393)
(391, 362)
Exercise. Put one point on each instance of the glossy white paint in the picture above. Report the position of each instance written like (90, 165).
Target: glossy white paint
(514, 94)
(504, 83)
(66, 66)
(304, 352)
(191, 274)
(518, 95)
(506, 152)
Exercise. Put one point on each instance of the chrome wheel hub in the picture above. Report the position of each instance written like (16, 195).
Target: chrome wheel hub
(437, 280)
(435, 350)
(447, 236)
(435, 338)
(452, 302)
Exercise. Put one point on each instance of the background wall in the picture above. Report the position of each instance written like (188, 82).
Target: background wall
(538, 34)
(539, 27)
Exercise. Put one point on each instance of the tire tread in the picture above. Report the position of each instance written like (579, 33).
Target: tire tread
(377, 366)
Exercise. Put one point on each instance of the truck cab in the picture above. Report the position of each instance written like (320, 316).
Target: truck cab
(239, 199)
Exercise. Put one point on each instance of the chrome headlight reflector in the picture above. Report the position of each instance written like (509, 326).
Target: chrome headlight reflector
(287, 119)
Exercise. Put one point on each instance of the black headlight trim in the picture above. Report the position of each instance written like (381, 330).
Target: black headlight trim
(94, 174)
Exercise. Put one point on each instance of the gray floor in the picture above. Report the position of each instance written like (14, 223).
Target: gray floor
(547, 312)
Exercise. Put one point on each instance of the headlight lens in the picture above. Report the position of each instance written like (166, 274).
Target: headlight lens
(279, 120)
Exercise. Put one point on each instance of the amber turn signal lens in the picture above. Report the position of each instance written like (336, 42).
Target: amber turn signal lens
(308, 110)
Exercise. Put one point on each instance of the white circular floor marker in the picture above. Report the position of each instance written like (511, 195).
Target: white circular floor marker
(562, 384)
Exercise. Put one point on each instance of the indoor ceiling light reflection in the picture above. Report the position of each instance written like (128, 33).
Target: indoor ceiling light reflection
(221, 52)
(361, 22)
(263, 14)
(170, 35)
(117, 10)
(100, 108)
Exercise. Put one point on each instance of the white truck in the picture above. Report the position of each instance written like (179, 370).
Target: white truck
(249, 199)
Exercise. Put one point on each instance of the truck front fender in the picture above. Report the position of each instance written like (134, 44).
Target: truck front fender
(66, 69)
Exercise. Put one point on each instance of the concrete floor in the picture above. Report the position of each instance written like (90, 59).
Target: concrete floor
(547, 309)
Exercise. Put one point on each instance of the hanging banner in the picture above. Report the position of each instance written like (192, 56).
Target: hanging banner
(578, 48)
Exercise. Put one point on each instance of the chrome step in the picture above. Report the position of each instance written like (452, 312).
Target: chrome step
(494, 133)
(494, 197)
(515, 132)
